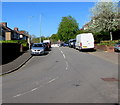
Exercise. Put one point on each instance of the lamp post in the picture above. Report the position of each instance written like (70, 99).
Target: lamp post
(29, 39)
(40, 26)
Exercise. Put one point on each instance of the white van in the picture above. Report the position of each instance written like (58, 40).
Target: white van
(84, 41)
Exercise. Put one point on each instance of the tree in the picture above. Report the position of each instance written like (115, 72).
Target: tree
(54, 38)
(35, 40)
(105, 17)
(67, 28)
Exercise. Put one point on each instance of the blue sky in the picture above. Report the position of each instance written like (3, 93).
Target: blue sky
(26, 15)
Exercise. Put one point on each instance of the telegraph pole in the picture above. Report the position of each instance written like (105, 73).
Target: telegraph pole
(40, 26)
(29, 39)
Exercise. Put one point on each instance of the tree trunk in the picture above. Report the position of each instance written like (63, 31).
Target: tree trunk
(111, 37)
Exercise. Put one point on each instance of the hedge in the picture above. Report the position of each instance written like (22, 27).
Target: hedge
(108, 42)
(23, 42)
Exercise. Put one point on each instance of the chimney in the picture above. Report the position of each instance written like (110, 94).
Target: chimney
(15, 29)
(4, 24)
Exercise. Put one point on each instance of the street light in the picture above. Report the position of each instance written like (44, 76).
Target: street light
(40, 26)
(29, 40)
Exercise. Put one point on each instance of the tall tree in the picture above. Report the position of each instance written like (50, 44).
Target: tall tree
(67, 28)
(104, 17)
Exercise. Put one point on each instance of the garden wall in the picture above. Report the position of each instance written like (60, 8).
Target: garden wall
(10, 51)
(105, 48)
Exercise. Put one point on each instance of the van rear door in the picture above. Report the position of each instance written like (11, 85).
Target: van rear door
(87, 41)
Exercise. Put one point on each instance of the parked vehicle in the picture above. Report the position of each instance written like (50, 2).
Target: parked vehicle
(117, 47)
(84, 41)
(72, 43)
(48, 43)
(37, 49)
(63, 45)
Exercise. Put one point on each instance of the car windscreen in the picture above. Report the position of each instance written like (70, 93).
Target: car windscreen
(37, 45)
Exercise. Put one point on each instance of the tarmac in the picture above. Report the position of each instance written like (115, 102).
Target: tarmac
(16, 64)
(112, 57)
(21, 60)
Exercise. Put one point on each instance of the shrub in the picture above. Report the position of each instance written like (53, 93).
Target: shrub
(23, 42)
(108, 42)
(9, 41)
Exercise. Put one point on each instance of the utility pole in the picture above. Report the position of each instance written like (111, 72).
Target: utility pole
(40, 26)
(29, 39)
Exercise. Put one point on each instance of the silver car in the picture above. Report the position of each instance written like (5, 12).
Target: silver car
(37, 49)
(117, 47)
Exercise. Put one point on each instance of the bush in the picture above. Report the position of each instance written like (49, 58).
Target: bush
(23, 42)
(9, 41)
(108, 42)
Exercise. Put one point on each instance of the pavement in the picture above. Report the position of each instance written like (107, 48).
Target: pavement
(16, 64)
(109, 56)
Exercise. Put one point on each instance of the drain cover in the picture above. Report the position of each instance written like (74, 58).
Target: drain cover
(110, 79)
(76, 85)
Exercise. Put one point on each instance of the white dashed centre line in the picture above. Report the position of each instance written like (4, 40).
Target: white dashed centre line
(52, 80)
(66, 65)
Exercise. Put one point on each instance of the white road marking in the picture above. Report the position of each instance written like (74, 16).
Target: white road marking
(64, 56)
(61, 52)
(66, 65)
(17, 95)
(52, 80)
(34, 89)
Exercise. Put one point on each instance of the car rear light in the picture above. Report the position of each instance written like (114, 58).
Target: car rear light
(81, 44)
(118, 45)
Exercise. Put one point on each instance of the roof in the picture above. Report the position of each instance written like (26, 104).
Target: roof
(6, 28)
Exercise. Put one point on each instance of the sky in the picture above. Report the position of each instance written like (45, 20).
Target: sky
(43, 18)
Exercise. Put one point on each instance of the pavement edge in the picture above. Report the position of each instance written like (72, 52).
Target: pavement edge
(16, 67)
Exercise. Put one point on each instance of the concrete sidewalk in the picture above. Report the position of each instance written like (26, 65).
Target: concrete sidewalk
(16, 64)
(109, 56)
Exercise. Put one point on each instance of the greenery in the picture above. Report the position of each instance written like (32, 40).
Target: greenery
(54, 38)
(68, 28)
(37, 39)
(104, 18)
(23, 42)
(108, 42)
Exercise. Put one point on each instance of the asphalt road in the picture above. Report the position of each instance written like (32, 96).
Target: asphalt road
(63, 76)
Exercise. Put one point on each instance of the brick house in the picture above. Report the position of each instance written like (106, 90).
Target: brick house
(8, 33)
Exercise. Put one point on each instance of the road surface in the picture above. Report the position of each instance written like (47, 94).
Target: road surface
(65, 75)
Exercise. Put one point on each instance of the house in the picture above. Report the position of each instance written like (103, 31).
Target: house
(15, 34)
(86, 26)
(8, 33)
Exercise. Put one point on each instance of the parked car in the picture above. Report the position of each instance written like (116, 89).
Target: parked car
(48, 43)
(37, 49)
(117, 47)
(84, 41)
(72, 43)
(63, 45)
